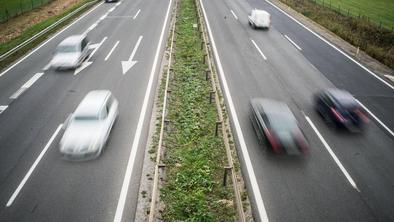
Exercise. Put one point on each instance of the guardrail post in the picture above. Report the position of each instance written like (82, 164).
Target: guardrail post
(218, 123)
(227, 170)
(207, 74)
(211, 95)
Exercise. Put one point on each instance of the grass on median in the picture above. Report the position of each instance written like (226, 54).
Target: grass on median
(194, 156)
(11, 8)
(4, 47)
(377, 42)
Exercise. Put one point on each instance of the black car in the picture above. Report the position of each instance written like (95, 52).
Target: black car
(111, 0)
(341, 108)
(275, 124)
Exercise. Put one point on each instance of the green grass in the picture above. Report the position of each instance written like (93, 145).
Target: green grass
(4, 47)
(11, 8)
(376, 10)
(375, 41)
(194, 157)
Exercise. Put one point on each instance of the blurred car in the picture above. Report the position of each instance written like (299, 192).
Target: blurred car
(275, 124)
(88, 128)
(259, 19)
(341, 108)
(110, 0)
(71, 52)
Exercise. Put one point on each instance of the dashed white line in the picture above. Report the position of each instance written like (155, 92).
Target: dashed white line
(3, 108)
(333, 46)
(138, 131)
(262, 213)
(292, 42)
(103, 17)
(376, 118)
(258, 49)
(136, 14)
(58, 33)
(117, 4)
(110, 52)
(27, 85)
(235, 16)
(90, 28)
(28, 174)
(332, 154)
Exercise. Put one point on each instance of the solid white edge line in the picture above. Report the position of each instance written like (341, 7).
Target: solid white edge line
(32, 80)
(252, 177)
(130, 164)
(235, 16)
(110, 52)
(136, 14)
(333, 46)
(332, 154)
(28, 174)
(376, 118)
(258, 49)
(292, 42)
(54, 36)
(3, 108)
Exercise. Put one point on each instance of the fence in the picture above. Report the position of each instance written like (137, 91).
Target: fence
(12, 8)
(355, 14)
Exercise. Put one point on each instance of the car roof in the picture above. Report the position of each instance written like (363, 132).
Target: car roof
(260, 12)
(92, 103)
(72, 40)
(271, 106)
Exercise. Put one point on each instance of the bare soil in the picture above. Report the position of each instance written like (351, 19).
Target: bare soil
(15, 26)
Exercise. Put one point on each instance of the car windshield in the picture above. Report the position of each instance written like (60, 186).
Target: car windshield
(67, 48)
(282, 122)
(86, 118)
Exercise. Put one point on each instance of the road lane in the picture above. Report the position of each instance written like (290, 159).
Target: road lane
(313, 188)
(81, 191)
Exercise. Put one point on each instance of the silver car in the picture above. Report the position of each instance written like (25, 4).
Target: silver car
(71, 52)
(259, 19)
(88, 128)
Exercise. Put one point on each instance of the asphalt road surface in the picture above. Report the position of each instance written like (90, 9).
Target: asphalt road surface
(35, 102)
(346, 177)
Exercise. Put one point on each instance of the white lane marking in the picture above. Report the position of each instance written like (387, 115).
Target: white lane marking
(113, 8)
(28, 174)
(3, 108)
(18, 93)
(376, 118)
(138, 12)
(110, 52)
(90, 28)
(130, 164)
(117, 4)
(235, 16)
(258, 49)
(332, 154)
(292, 42)
(126, 65)
(27, 85)
(333, 46)
(103, 17)
(249, 167)
(54, 36)
(47, 67)
(87, 63)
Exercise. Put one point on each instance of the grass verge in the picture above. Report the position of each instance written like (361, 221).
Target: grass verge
(375, 41)
(4, 47)
(194, 157)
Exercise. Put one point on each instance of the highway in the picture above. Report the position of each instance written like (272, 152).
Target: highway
(36, 184)
(346, 177)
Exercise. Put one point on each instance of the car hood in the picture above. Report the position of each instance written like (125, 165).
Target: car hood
(65, 58)
(82, 137)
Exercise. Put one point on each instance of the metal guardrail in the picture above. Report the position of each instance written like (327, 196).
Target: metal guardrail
(42, 32)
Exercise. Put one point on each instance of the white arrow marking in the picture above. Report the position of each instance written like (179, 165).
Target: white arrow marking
(86, 63)
(126, 65)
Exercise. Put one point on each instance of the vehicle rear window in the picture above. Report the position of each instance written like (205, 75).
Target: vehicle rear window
(83, 118)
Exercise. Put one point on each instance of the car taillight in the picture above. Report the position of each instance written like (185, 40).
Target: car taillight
(273, 141)
(302, 143)
(337, 115)
(362, 115)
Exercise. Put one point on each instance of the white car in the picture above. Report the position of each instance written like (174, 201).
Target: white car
(71, 52)
(259, 19)
(88, 128)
